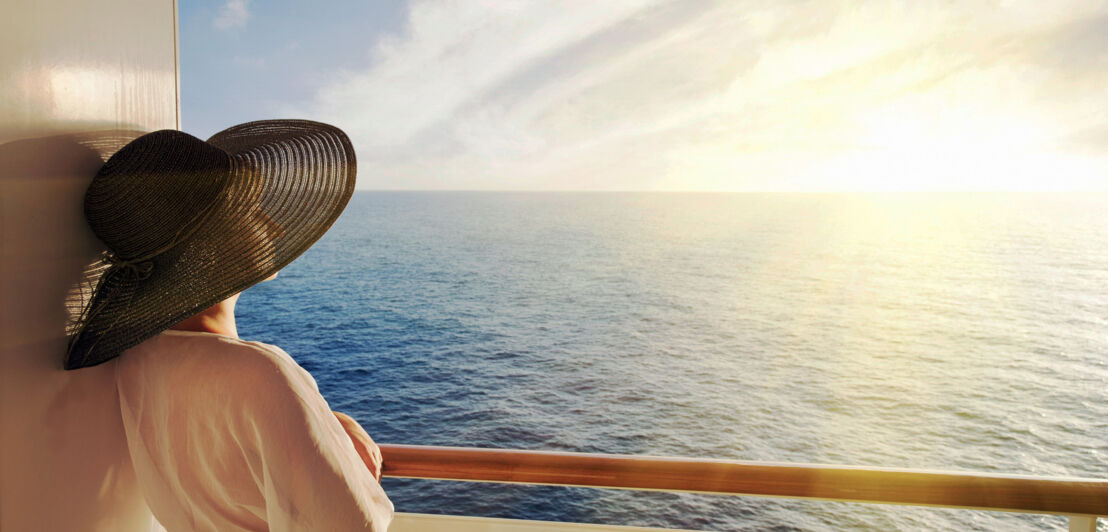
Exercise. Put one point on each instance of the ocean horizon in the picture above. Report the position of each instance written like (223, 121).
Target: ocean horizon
(951, 331)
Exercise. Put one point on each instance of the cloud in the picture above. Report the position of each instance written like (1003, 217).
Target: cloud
(232, 14)
(644, 94)
(1093, 140)
(451, 54)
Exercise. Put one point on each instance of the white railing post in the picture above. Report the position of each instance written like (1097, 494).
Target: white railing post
(1082, 523)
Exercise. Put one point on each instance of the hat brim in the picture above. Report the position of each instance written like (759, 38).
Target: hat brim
(290, 181)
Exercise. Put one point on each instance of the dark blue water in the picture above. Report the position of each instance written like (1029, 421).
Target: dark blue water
(959, 331)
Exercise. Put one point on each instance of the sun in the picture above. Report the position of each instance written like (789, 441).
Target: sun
(961, 149)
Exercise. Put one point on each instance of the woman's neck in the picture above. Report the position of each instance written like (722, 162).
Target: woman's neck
(218, 319)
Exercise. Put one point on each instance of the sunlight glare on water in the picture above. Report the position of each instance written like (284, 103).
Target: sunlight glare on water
(937, 331)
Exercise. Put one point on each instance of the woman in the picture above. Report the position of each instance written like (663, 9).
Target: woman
(224, 434)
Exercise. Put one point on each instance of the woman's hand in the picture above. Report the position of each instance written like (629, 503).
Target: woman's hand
(368, 450)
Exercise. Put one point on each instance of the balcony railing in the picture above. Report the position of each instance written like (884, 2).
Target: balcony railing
(1081, 499)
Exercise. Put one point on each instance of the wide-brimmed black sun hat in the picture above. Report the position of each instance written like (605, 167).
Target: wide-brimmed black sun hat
(188, 223)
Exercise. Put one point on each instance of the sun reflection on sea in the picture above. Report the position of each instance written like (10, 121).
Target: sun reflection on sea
(934, 331)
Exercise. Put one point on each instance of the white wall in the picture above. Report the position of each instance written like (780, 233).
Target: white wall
(69, 71)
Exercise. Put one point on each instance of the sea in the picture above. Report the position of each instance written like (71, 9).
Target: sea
(948, 331)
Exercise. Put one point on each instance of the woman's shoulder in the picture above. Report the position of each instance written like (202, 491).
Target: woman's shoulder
(214, 359)
(204, 345)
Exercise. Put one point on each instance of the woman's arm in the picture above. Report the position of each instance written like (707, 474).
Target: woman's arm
(367, 450)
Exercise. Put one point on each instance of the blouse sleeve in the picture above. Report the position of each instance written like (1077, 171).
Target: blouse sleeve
(308, 469)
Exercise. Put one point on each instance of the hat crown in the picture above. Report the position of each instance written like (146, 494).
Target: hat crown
(153, 191)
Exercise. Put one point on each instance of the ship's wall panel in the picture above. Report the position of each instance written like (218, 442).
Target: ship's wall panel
(76, 79)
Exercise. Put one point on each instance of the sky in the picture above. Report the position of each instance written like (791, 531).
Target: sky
(654, 95)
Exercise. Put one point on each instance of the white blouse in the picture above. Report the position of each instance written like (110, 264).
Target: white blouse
(228, 435)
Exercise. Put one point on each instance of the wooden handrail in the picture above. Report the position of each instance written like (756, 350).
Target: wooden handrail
(983, 491)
